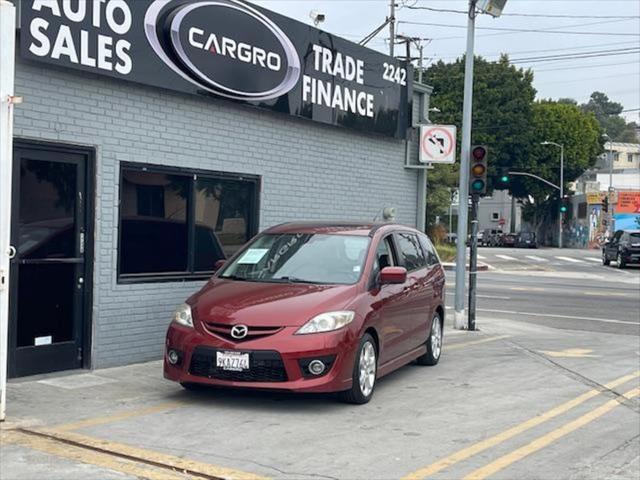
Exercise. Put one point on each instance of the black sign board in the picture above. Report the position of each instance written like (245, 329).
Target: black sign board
(224, 48)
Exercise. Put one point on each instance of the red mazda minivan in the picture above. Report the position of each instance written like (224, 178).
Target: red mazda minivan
(312, 307)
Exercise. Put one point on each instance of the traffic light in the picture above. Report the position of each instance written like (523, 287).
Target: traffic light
(503, 177)
(478, 174)
(564, 206)
(605, 203)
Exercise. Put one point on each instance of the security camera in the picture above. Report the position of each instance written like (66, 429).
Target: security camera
(317, 17)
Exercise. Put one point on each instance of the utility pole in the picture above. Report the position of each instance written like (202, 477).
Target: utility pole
(459, 320)
(560, 187)
(392, 27)
(420, 49)
(610, 190)
(7, 99)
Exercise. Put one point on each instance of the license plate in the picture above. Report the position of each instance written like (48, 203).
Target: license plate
(232, 361)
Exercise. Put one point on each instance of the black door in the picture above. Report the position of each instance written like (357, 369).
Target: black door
(48, 272)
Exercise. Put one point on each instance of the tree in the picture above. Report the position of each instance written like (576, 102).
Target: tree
(565, 124)
(502, 100)
(608, 115)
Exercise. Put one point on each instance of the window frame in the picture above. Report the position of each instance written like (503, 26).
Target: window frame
(192, 175)
(373, 276)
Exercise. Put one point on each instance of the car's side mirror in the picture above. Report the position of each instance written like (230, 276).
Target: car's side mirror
(393, 275)
(218, 265)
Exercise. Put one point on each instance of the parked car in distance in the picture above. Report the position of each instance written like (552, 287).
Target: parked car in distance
(312, 307)
(623, 248)
(508, 240)
(527, 240)
(490, 237)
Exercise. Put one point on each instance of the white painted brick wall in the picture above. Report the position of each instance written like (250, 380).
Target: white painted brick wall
(309, 171)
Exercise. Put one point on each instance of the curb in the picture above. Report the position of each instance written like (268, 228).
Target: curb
(450, 266)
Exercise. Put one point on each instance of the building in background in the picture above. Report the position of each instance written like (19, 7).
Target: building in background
(500, 211)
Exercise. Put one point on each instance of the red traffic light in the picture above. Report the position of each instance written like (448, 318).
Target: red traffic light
(479, 153)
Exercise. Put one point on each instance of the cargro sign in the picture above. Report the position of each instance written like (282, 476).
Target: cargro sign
(224, 48)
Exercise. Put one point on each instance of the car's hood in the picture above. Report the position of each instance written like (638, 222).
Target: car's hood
(267, 304)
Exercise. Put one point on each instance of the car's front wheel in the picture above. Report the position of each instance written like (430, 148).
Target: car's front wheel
(434, 343)
(365, 368)
(605, 260)
(620, 261)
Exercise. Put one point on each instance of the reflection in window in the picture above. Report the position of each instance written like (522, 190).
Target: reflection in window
(178, 224)
(223, 210)
(410, 252)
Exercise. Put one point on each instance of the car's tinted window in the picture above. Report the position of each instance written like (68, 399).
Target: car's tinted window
(410, 252)
(429, 250)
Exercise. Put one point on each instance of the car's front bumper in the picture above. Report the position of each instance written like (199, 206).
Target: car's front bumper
(195, 348)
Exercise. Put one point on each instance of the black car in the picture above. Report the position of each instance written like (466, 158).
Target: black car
(527, 240)
(623, 248)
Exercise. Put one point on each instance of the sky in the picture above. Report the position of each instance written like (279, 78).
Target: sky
(606, 33)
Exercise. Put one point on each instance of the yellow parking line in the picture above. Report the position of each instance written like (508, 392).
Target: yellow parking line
(545, 440)
(87, 456)
(456, 346)
(149, 456)
(497, 439)
(92, 422)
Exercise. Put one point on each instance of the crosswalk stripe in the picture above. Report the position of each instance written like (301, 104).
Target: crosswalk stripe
(569, 259)
(537, 259)
(505, 257)
(591, 259)
(482, 257)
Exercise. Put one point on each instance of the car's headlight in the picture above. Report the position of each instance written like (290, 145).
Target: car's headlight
(182, 315)
(326, 322)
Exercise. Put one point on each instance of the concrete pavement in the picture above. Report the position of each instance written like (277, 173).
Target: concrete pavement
(493, 393)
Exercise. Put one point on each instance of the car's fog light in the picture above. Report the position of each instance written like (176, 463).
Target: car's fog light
(173, 357)
(316, 367)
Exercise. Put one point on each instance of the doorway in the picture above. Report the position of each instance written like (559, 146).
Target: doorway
(52, 212)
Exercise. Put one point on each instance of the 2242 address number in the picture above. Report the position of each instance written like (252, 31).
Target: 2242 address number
(394, 74)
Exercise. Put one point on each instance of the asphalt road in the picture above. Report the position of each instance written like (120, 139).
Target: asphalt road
(568, 289)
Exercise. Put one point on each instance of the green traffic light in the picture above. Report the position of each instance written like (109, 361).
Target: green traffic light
(563, 209)
(504, 179)
(477, 185)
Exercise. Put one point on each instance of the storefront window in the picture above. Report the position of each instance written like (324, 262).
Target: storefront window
(178, 224)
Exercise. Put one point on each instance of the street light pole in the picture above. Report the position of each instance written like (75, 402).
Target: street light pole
(560, 213)
(459, 321)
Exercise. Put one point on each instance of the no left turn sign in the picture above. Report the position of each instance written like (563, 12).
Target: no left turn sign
(437, 144)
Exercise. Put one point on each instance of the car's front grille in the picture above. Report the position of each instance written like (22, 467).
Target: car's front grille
(264, 366)
(253, 333)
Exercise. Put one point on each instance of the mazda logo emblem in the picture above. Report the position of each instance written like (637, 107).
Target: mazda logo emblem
(239, 331)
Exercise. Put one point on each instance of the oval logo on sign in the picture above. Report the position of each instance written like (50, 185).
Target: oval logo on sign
(224, 47)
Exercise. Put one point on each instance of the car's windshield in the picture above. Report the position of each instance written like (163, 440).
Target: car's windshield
(301, 257)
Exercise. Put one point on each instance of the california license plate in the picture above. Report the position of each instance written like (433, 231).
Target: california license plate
(232, 361)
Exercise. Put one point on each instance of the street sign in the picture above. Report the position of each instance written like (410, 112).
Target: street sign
(437, 144)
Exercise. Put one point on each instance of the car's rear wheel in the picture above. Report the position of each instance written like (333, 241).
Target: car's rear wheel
(605, 260)
(434, 343)
(620, 261)
(365, 368)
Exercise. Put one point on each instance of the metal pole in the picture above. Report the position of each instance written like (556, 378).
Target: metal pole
(392, 27)
(463, 209)
(420, 48)
(473, 262)
(610, 226)
(560, 213)
(7, 68)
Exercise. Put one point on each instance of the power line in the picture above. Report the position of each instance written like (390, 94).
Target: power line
(586, 66)
(583, 79)
(631, 110)
(537, 15)
(521, 30)
(556, 58)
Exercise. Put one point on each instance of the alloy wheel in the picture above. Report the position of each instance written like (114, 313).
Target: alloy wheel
(436, 337)
(367, 368)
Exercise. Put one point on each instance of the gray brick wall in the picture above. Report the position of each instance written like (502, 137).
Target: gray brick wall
(309, 171)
